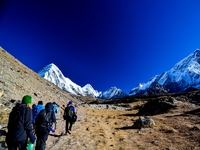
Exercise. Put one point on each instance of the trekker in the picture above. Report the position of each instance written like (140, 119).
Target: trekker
(36, 110)
(55, 108)
(20, 125)
(33, 106)
(44, 122)
(69, 116)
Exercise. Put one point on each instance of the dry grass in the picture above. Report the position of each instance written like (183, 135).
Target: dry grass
(113, 130)
(106, 129)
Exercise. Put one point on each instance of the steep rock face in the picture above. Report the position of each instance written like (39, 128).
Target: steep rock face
(155, 90)
(185, 74)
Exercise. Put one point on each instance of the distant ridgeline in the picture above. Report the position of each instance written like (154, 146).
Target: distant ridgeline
(184, 76)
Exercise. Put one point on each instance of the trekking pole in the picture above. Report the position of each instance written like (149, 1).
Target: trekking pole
(53, 130)
(55, 125)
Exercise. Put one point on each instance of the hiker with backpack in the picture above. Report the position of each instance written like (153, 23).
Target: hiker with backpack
(55, 108)
(36, 110)
(33, 106)
(70, 117)
(44, 123)
(20, 125)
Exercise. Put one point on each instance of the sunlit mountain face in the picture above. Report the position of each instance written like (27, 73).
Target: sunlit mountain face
(184, 75)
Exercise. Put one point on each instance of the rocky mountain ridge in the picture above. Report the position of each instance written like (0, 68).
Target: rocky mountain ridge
(184, 75)
(53, 74)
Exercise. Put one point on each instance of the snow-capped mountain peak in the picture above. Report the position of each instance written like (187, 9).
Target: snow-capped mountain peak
(185, 74)
(113, 92)
(53, 74)
(89, 90)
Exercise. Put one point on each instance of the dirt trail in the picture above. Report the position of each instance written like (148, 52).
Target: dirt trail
(58, 141)
(91, 131)
(106, 129)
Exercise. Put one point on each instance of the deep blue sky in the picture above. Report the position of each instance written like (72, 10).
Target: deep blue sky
(102, 42)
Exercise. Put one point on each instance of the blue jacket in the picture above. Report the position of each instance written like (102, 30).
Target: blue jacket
(35, 111)
(55, 108)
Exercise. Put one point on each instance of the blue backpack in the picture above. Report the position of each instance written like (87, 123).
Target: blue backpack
(35, 111)
(55, 108)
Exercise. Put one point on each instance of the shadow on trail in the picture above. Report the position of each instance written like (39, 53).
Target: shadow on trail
(127, 128)
(129, 115)
(56, 135)
(192, 112)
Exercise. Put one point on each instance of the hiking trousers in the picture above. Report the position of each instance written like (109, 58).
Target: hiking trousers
(42, 136)
(68, 125)
(13, 145)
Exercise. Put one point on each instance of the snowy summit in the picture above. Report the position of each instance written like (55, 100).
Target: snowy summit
(53, 74)
(184, 75)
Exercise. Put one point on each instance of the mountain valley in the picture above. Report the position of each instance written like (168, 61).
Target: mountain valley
(104, 124)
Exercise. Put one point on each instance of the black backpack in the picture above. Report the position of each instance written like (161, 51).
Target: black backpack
(70, 114)
(17, 122)
(43, 119)
(16, 117)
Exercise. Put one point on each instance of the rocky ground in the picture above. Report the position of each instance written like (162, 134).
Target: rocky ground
(101, 126)
(113, 129)
(103, 129)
